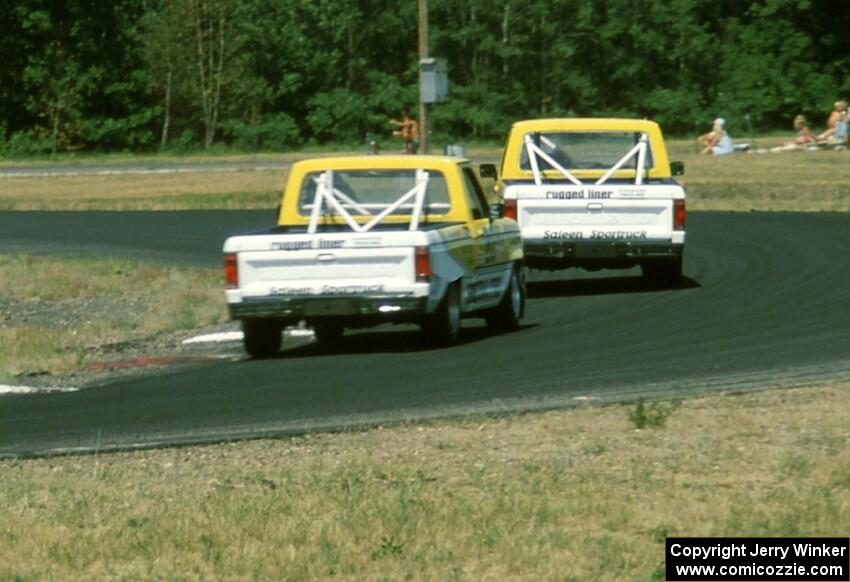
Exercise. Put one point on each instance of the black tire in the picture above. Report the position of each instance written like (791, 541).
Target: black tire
(261, 337)
(328, 333)
(442, 327)
(666, 272)
(506, 315)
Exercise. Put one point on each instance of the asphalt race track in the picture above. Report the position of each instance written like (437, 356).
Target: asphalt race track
(766, 302)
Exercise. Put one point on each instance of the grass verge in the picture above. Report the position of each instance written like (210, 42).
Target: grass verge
(197, 190)
(569, 495)
(56, 312)
(791, 181)
(76, 159)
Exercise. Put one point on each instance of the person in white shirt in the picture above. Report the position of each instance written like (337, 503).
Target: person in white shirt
(717, 141)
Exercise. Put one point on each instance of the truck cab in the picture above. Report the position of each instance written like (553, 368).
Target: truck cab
(366, 240)
(594, 194)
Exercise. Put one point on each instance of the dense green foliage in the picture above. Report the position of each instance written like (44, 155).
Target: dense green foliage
(273, 74)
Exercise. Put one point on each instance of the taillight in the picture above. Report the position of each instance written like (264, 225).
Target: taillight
(510, 209)
(231, 271)
(679, 214)
(423, 265)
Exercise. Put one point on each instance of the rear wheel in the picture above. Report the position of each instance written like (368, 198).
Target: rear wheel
(665, 272)
(506, 315)
(261, 337)
(443, 326)
(328, 333)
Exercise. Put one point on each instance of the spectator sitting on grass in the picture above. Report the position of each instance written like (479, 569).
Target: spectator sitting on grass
(836, 125)
(804, 134)
(716, 142)
(803, 138)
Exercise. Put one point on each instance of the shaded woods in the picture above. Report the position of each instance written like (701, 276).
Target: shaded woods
(140, 75)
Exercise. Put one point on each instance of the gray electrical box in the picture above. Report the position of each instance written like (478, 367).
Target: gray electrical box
(433, 80)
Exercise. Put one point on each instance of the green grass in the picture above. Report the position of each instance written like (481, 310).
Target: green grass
(569, 495)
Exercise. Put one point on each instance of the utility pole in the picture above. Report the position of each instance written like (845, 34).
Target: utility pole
(423, 54)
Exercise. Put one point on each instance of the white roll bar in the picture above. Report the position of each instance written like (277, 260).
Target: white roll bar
(328, 197)
(534, 150)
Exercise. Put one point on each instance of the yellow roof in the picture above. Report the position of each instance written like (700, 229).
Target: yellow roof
(378, 162)
(586, 123)
(449, 166)
(513, 149)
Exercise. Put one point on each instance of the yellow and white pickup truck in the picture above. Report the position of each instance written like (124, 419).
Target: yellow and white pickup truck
(366, 240)
(594, 194)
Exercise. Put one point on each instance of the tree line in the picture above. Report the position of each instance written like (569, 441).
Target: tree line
(141, 75)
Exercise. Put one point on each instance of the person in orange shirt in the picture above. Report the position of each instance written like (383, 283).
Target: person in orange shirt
(408, 131)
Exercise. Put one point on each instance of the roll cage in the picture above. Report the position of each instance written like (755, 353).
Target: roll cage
(534, 151)
(329, 200)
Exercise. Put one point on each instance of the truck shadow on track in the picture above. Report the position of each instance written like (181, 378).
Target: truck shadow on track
(393, 342)
(602, 286)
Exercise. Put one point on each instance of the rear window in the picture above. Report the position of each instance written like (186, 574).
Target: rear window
(585, 150)
(369, 192)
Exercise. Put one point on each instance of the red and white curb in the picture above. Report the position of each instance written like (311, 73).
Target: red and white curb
(236, 336)
(9, 389)
(222, 337)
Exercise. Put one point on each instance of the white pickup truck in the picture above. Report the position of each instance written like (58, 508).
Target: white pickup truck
(594, 194)
(366, 240)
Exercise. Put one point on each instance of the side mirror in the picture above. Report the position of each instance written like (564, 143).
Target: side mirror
(497, 211)
(677, 168)
(488, 171)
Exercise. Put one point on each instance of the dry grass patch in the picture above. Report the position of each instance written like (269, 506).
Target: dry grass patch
(184, 190)
(801, 181)
(72, 160)
(790, 181)
(567, 495)
(795, 181)
(195, 190)
(57, 311)
(787, 181)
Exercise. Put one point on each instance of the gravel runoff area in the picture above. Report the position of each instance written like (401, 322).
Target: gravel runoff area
(103, 364)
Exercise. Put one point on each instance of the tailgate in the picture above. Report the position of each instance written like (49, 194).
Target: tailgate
(283, 266)
(597, 213)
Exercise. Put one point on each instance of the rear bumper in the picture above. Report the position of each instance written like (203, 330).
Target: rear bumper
(549, 254)
(387, 307)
